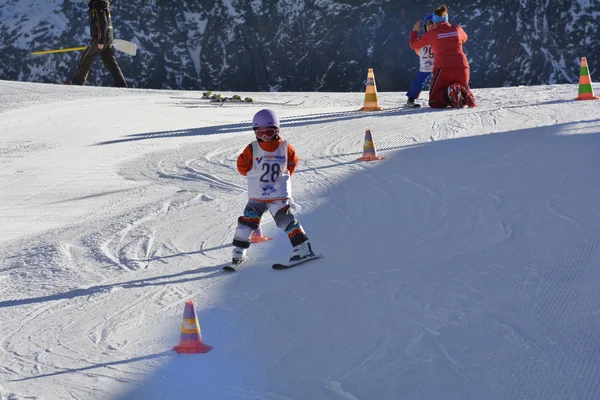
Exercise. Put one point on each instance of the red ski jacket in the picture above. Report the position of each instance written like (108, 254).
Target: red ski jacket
(446, 43)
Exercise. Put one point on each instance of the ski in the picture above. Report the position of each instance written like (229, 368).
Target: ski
(249, 104)
(287, 103)
(293, 264)
(403, 108)
(125, 46)
(218, 100)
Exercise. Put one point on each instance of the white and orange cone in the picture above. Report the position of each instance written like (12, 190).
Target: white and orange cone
(258, 237)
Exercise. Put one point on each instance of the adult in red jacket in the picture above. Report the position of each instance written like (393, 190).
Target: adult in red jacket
(451, 73)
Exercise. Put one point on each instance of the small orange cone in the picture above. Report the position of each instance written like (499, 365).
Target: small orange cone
(257, 236)
(371, 101)
(586, 92)
(369, 152)
(190, 341)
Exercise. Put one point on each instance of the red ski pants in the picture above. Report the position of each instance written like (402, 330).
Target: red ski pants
(442, 78)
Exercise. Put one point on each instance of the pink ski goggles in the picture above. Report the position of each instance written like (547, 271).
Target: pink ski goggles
(267, 134)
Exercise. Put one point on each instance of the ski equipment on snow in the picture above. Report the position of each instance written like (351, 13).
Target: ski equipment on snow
(231, 267)
(293, 264)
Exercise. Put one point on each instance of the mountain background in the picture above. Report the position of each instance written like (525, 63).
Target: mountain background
(297, 45)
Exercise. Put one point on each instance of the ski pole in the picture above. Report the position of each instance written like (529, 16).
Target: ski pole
(59, 50)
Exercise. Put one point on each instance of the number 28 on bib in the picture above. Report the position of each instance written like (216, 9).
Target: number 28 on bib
(269, 177)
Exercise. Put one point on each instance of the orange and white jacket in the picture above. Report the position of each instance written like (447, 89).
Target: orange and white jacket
(270, 183)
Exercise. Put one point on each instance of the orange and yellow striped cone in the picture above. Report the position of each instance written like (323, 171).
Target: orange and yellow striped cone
(257, 236)
(371, 101)
(190, 341)
(369, 152)
(586, 92)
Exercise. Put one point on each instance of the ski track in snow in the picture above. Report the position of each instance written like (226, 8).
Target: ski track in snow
(145, 246)
(336, 387)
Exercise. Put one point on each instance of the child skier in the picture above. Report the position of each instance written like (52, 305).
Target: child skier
(425, 69)
(269, 163)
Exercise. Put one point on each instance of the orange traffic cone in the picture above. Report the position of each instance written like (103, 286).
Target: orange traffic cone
(371, 101)
(190, 341)
(257, 236)
(586, 92)
(369, 152)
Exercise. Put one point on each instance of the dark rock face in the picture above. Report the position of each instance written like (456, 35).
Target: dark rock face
(299, 45)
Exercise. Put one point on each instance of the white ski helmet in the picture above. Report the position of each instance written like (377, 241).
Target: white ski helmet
(266, 125)
(265, 119)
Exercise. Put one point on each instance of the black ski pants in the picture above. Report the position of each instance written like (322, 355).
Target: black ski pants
(107, 54)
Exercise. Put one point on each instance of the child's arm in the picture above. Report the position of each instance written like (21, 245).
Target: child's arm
(417, 42)
(244, 161)
(292, 159)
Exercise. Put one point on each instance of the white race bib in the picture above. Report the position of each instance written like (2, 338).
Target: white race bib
(269, 177)
(426, 57)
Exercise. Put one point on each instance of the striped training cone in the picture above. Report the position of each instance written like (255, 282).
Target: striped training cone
(257, 236)
(586, 92)
(371, 101)
(190, 341)
(369, 152)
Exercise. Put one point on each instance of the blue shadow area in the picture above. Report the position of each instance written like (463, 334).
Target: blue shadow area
(456, 269)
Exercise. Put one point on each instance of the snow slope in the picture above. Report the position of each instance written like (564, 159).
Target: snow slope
(464, 266)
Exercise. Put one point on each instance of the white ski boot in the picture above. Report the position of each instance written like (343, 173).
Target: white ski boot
(302, 251)
(238, 255)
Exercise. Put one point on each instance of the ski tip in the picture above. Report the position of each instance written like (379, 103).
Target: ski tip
(287, 266)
